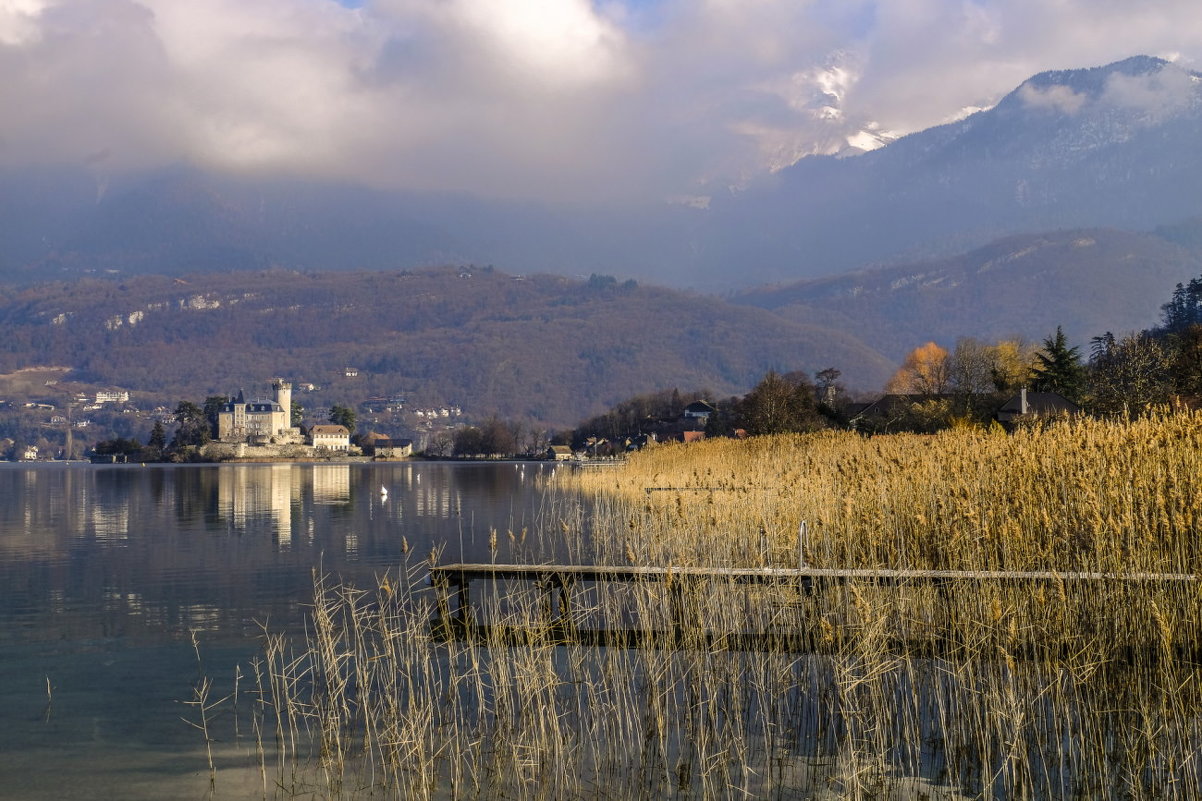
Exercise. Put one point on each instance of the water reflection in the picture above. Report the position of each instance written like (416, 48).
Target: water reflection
(331, 483)
(107, 571)
(254, 494)
(135, 550)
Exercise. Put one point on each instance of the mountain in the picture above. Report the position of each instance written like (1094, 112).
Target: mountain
(1114, 146)
(1089, 281)
(541, 348)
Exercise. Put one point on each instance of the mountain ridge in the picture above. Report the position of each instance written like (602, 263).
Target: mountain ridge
(539, 348)
(1111, 146)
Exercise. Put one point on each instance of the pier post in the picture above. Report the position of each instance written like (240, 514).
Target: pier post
(442, 599)
(464, 613)
(676, 607)
(565, 601)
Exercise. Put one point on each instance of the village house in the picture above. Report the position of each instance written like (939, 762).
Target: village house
(330, 437)
(699, 411)
(1034, 404)
(559, 453)
(387, 448)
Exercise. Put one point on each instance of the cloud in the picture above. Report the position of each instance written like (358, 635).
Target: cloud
(1155, 95)
(570, 99)
(1059, 98)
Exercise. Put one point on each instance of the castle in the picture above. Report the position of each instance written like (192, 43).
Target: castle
(259, 422)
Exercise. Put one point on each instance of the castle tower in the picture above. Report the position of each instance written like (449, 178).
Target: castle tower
(283, 396)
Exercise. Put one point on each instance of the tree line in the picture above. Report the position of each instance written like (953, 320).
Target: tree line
(1120, 374)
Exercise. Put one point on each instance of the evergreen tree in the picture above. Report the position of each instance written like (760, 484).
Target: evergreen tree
(1058, 368)
(212, 409)
(158, 437)
(193, 425)
(343, 416)
(1184, 308)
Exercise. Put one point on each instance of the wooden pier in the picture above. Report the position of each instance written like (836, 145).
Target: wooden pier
(557, 582)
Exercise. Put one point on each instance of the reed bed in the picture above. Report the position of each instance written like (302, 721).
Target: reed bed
(968, 689)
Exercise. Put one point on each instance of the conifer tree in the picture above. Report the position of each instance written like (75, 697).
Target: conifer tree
(1058, 368)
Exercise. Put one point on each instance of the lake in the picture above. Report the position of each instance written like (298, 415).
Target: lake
(120, 586)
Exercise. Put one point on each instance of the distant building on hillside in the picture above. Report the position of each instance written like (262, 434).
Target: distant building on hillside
(112, 396)
(259, 421)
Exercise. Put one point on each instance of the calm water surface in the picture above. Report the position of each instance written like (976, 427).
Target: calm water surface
(107, 574)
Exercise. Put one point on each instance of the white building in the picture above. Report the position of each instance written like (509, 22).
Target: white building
(112, 396)
(330, 437)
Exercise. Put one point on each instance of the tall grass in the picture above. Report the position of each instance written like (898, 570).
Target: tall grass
(989, 689)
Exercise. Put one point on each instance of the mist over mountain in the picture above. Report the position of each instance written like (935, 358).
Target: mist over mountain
(1113, 146)
(1087, 281)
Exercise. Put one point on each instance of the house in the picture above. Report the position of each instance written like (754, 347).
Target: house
(559, 453)
(330, 437)
(261, 420)
(1034, 404)
(386, 448)
(700, 411)
(899, 412)
(30, 453)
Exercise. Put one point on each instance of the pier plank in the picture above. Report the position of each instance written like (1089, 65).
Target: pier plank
(463, 572)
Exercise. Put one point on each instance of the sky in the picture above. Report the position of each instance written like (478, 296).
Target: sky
(537, 99)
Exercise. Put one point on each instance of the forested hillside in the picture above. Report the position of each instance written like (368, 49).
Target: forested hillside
(540, 348)
(1085, 281)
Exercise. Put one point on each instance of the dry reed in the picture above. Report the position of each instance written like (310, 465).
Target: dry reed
(980, 689)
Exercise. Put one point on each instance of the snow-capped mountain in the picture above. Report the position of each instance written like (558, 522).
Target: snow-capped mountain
(1117, 146)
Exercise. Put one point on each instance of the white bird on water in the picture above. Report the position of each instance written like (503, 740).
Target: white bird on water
(383, 493)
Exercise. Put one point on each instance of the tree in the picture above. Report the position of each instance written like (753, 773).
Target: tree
(1013, 363)
(440, 444)
(970, 367)
(298, 415)
(497, 438)
(193, 426)
(828, 388)
(924, 372)
(158, 437)
(1132, 373)
(343, 416)
(779, 404)
(469, 441)
(212, 408)
(1186, 347)
(1058, 368)
(117, 447)
(1184, 309)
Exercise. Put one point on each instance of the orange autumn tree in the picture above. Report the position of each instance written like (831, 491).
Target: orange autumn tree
(925, 371)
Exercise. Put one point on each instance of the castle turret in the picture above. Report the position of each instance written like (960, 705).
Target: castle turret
(283, 396)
